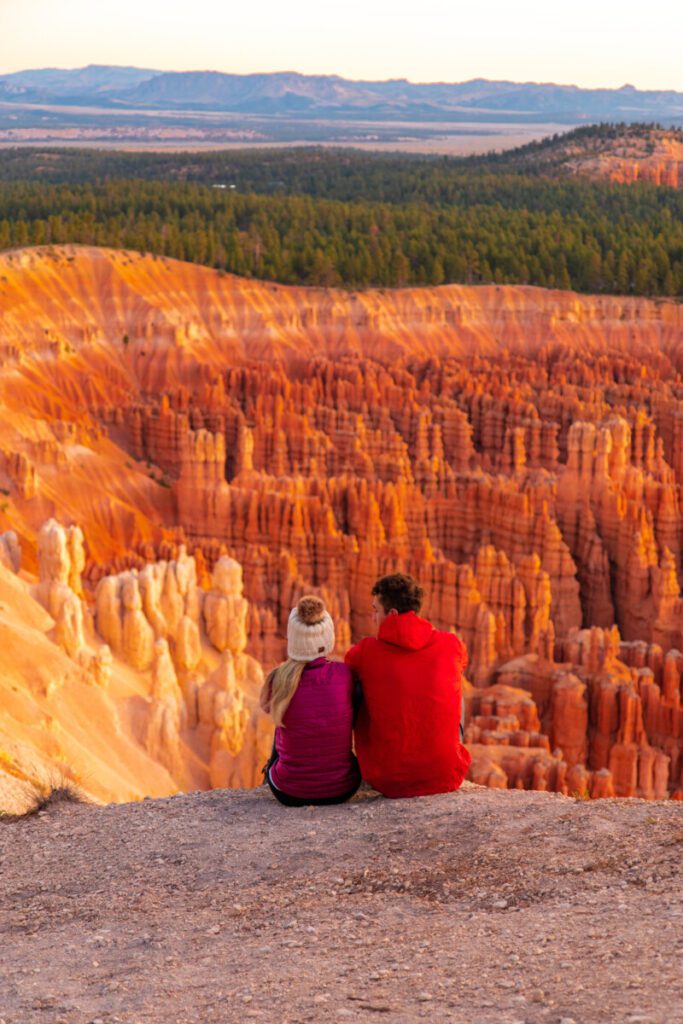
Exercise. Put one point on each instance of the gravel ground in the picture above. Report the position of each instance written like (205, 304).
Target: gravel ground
(482, 907)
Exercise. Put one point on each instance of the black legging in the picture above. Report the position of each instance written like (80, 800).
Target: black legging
(296, 801)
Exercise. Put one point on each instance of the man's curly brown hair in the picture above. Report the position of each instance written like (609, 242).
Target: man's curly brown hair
(400, 592)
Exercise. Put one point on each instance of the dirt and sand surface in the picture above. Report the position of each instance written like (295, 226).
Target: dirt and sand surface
(483, 906)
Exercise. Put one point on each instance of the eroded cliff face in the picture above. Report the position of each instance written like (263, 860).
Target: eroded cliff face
(145, 692)
(656, 158)
(519, 451)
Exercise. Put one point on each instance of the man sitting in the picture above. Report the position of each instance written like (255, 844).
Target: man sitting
(407, 730)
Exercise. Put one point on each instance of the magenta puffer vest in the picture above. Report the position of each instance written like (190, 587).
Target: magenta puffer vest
(314, 747)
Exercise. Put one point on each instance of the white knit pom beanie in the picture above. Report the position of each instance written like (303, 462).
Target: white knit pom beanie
(310, 630)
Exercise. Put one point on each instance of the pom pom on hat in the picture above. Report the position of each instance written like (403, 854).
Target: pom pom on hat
(310, 610)
(310, 630)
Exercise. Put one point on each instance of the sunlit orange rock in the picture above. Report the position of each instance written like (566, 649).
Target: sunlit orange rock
(656, 158)
(144, 696)
(61, 560)
(569, 711)
(10, 552)
(225, 446)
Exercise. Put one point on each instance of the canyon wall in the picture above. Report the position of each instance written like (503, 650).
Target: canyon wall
(144, 692)
(519, 451)
(656, 158)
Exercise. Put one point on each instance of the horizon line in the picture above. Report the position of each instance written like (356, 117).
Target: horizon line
(331, 74)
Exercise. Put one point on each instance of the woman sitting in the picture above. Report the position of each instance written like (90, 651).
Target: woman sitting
(310, 700)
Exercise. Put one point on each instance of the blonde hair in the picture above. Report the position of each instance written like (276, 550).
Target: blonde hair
(279, 688)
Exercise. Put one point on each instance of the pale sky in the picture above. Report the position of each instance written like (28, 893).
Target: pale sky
(591, 43)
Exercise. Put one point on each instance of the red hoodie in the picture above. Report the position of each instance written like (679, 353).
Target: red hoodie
(407, 739)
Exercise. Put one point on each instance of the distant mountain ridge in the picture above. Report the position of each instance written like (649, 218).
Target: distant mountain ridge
(294, 94)
(98, 79)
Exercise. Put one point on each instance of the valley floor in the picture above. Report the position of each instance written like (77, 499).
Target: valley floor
(483, 906)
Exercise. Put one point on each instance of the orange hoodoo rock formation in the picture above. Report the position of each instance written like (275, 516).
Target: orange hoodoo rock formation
(184, 453)
(656, 158)
(168, 702)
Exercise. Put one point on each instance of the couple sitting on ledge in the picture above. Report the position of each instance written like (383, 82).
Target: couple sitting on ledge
(402, 687)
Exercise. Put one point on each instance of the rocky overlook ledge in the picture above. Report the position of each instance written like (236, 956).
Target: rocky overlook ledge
(481, 906)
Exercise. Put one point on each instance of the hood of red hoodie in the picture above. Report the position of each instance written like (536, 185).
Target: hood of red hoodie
(406, 630)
